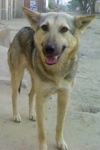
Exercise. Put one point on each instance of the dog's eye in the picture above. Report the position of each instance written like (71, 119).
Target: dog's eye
(63, 29)
(45, 27)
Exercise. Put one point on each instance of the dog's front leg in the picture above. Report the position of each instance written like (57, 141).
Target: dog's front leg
(63, 97)
(40, 100)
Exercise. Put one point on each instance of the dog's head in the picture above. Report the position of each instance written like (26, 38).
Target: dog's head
(56, 33)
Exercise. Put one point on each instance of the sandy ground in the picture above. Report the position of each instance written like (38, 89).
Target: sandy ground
(82, 124)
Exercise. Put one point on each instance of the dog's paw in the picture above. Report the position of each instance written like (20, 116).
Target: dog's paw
(62, 145)
(32, 117)
(17, 118)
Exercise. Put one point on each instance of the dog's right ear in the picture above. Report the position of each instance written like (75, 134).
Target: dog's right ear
(32, 17)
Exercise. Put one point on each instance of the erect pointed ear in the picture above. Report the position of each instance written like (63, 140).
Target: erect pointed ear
(81, 22)
(32, 17)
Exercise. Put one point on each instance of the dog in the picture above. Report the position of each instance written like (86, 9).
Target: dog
(49, 51)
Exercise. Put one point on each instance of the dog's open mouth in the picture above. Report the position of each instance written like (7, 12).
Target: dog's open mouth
(52, 54)
(51, 60)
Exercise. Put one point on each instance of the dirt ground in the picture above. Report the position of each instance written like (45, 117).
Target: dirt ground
(82, 124)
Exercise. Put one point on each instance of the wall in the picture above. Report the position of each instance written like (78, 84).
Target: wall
(19, 5)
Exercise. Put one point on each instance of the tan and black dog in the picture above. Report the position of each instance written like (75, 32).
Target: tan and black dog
(49, 51)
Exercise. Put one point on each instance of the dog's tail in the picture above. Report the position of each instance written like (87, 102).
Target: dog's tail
(19, 89)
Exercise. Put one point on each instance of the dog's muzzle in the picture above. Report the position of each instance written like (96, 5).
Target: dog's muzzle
(52, 54)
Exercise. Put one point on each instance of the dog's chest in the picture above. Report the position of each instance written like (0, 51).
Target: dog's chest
(52, 87)
(61, 83)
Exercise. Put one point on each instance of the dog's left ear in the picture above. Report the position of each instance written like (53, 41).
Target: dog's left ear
(81, 22)
(32, 17)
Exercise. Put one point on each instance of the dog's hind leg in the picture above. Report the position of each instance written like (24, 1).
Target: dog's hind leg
(32, 111)
(16, 77)
(61, 111)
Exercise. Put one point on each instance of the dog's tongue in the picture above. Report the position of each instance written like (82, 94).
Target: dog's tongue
(50, 60)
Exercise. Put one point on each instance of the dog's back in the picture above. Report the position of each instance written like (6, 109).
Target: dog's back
(23, 43)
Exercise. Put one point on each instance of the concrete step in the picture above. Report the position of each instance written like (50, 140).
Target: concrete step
(4, 35)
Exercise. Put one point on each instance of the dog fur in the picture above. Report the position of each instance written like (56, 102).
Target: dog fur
(49, 51)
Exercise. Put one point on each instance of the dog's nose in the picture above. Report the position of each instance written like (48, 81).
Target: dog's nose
(49, 49)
